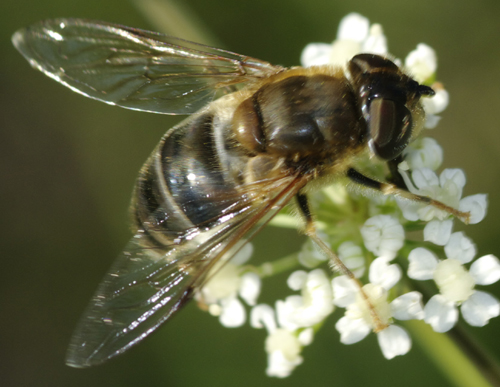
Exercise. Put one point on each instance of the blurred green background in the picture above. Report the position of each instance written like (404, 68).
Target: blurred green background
(68, 165)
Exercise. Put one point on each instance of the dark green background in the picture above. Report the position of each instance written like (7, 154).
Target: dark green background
(68, 164)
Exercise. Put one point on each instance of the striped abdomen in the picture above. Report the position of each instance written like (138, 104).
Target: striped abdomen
(184, 185)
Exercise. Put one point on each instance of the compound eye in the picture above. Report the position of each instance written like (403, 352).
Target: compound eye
(389, 126)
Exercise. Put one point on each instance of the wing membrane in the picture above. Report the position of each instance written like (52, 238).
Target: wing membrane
(148, 283)
(133, 68)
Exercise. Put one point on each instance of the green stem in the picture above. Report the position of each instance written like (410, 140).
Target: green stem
(462, 370)
(268, 269)
(483, 360)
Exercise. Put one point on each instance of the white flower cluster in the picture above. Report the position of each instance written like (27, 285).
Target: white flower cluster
(374, 244)
(220, 294)
(296, 318)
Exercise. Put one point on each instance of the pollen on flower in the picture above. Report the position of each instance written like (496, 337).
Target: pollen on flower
(454, 282)
(377, 296)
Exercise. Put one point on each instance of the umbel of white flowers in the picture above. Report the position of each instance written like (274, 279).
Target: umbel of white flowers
(368, 251)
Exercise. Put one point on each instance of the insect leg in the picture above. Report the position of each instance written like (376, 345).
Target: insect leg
(393, 189)
(335, 261)
(396, 177)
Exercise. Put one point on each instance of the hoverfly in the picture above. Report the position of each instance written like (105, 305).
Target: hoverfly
(257, 135)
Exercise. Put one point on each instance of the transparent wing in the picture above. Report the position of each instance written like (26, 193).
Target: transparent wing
(133, 68)
(148, 283)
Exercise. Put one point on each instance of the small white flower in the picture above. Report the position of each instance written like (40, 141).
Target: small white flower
(446, 189)
(424, 153)
(309, 308)
(435, 105)
(422, 63)
(283, 349)
(383, 235)
(456, 284)
(354, 36)
(358, 321)
(287, 337)
(220, 294)
(283, 346)
(438, 102)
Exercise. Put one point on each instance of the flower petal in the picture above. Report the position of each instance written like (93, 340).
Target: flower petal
(233, 313)
(353, 27)
(279, 366)
(352, 331)
(421, 62)
(243, 255)
(262, 316)
(310, 255)
(306, 336)
(309, 308)
(283, 350)
(437, 103)
(250, 288)
(394, 341)
(297, 280)
(425, 153)
(480, 308)
(460, 247)
(485, 270)
(352, 256)
(343, 51)
(315, 54)
(409, 208)
(286, 311)
(408, 307)
(424, 177)
(438, 232)
(376, 42)
(476, 205)
(455, 175)
(422, 264)
(383, 274)
(440, 314)
(344, 291)
(431, 121)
